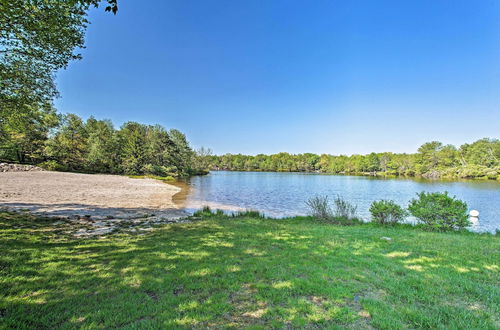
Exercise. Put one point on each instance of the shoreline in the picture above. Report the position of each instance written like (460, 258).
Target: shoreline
(100, 201)
(375, 175)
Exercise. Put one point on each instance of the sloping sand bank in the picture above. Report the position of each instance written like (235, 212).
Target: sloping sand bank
(106, 198)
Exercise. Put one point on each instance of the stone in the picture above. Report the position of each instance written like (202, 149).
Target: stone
(384, 238)
(8, 167)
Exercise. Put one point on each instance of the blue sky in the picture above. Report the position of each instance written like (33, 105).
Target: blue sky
(264, 76)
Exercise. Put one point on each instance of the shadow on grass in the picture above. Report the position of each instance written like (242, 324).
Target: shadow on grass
(76, 209)
(237, 273)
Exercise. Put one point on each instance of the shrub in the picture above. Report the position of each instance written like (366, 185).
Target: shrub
(156, 170)
(207, 212)
(343, 209)
(343, 212)
(319, 207)
(248, 214)
(438, 211)
(52, 165)
(387, 212)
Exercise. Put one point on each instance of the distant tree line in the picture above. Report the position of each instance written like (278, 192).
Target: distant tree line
(68, 143)
(480, 159)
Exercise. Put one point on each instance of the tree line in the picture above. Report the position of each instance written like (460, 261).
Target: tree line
(68, 143)
(38, 38)
(480, 159)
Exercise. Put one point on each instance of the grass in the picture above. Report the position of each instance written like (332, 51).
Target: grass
(167, 178)
(245, 272)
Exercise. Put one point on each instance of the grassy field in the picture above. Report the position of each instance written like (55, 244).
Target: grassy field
(247, 272)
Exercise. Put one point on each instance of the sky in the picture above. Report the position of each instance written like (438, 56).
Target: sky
(266, 76)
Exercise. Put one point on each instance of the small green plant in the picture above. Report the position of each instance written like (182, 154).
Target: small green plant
(387, 212)
(319, 207)
(344, 211)
(52, 165)
(248, 214)
(438, 211)
(207, 212)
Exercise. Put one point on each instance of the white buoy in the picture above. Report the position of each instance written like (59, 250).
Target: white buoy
(474, 213)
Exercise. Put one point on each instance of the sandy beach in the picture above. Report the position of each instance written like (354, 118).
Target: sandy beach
(93, 196)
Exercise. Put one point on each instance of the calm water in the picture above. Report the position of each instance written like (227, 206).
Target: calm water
(284, 194)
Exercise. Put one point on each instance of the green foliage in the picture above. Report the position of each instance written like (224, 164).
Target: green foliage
(344, 212)
(387, 212)
(341, 212)
(69, 145)
(248, 214)
(95, 146)
(319, 207)
(37, 38)
(433, 160)
(102, 144)
(438, 211)
(52, 165)
(206, 212)
(23, 134)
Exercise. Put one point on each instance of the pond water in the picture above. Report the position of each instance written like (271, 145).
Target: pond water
(284, 194)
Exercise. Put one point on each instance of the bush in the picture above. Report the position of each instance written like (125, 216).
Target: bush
(248, 214)
(343, 209)
(438, 211)
(156, 170)
(319, 207)
(207, 212)
(387, 212)
(52, 165)
(343, 212)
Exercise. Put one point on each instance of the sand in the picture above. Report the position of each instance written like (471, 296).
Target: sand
(89, 196)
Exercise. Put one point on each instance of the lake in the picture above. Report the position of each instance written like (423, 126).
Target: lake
(284, 194)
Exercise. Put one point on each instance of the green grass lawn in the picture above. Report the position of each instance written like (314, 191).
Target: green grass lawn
(247, 272)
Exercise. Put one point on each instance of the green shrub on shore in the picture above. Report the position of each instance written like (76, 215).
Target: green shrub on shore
(342, 212)
(207, 212)
(319, 207)
(438, 211)
(387, 212)
(248, 214)
(52, 165)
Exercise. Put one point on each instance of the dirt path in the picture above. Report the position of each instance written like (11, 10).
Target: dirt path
(105, 199)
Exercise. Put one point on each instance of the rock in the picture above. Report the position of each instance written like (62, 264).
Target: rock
(386, 238)
(8, 167)
(474, 213)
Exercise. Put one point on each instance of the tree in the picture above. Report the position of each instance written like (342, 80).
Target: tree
(23, 135)
(69, 146)
(102, 155)
(203, 158)
(428, 156)
(484, 152)
(37, 38)
(132, 139)
(180, 153)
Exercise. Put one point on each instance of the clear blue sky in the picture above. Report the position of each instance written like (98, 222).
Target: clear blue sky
(264, 76)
